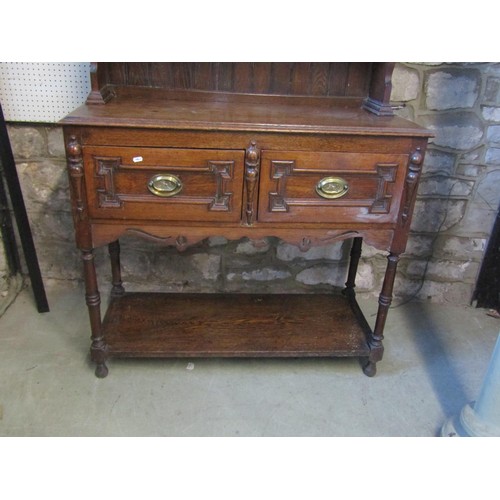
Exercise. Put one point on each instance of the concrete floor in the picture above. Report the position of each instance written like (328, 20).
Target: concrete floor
(434, 363)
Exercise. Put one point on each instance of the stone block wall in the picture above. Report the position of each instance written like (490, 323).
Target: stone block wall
(459, 194)
(458, 199)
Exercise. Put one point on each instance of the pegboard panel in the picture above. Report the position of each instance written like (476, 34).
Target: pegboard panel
(42, 92)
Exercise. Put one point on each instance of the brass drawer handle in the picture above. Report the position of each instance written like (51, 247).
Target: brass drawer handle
(332, 187)
(165, 185)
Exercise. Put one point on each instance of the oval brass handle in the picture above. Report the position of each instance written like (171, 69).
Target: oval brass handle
(332, 187)
(165, 185)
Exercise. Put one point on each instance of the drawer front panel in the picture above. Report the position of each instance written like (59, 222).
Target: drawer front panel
(330, 187)
(164, 184)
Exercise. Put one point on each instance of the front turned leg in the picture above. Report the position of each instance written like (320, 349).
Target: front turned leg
(353, 266)
(114, 255)
(384, 301)
(98, 348)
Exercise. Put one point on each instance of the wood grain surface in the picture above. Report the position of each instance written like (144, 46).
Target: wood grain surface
(187, 325)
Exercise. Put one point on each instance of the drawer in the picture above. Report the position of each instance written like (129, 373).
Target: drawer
(164, 184)
(313, 187)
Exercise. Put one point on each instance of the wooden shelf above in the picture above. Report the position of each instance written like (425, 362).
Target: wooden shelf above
(238, 325)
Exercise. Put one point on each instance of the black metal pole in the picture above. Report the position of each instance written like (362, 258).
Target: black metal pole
(8, 236)
(487, 292)
(23, 225)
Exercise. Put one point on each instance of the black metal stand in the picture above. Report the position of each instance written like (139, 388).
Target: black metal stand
(487, 292)
(8, 235)
(23, 225)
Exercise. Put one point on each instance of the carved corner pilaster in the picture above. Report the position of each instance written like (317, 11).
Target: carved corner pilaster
(411, 183)
(252, 167)
(76, 176)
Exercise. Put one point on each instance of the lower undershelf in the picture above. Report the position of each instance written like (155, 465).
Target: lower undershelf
(234, 325)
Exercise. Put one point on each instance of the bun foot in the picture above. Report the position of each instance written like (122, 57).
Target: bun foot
(101, 370)
(369, 367)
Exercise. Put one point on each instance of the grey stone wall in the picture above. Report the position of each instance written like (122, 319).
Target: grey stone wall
(457, 202)
(459, 194)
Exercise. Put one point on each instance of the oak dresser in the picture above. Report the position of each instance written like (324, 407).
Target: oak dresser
(177, 152)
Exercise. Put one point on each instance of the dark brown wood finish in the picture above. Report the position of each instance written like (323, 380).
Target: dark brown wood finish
(218, 325)
(195, 110)
(320, 78)
(114, 256)
(289, 181)
(353, 265)
(212, 183)
(98, 347)
(178, 152)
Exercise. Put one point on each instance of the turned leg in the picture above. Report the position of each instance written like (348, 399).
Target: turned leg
(353, 266)
(98, 352)
(385, 299)
(114, 255)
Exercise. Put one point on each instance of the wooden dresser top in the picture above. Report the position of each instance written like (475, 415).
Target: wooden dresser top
(200, 110)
